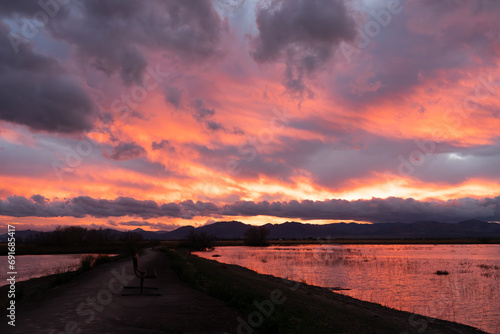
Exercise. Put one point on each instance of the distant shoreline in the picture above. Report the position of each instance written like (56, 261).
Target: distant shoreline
(366, 241)
(23, 249)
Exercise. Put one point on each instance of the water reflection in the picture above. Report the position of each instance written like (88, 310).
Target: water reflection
(398, 276)
(32, 266)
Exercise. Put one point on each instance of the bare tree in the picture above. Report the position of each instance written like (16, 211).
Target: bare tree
(257, 236)
(200, 241)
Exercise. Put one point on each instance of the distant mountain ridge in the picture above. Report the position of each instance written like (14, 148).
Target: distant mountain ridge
(294, 230)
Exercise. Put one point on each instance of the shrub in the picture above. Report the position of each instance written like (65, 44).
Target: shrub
(442, 272)
(100, 259)
(86, 262)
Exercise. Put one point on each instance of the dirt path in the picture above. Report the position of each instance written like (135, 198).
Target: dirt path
(92, 303)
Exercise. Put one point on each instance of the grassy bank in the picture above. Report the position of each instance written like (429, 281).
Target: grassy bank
(230, 287)
(306, 309)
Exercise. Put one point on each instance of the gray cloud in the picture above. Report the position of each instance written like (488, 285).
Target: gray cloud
(349, 155)
(428, 41)
(173, 95)
(151, 168)
(79, 207)
(376, 210)
(27, 8)
(201, 112)
(114, 36)
(214, 126)
(39, 199)
(250, 163)
(163, 144)
(35, 91)
(358, 155)
(125, 151)
(204, 114)
(303, 34)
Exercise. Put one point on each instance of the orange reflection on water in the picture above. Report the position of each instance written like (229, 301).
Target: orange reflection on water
(398, 276)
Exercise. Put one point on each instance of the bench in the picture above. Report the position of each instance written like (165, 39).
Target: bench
(142, 275)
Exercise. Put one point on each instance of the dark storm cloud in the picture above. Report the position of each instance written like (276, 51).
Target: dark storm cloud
(34, 91)
(306, 23)
(302, 33)
(113, 35)
(376, 210)
(20, 7)
(125, 151)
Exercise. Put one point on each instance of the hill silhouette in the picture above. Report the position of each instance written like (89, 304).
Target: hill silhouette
(294, 230)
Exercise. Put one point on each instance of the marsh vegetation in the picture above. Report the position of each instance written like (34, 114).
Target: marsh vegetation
(403, 277)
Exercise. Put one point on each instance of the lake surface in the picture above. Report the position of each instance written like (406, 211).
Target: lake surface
(398, 276)
(32, 266)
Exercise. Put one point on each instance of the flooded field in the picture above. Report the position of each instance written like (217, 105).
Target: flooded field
(403, 277)
(32, 266)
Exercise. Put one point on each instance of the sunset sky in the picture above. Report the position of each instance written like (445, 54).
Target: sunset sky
(159, 114)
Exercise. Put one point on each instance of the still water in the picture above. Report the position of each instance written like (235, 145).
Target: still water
(32, 266)
(398, 276)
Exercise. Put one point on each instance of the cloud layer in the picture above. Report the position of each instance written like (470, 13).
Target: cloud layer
(376, 210)
(303, 34)
(35, 91)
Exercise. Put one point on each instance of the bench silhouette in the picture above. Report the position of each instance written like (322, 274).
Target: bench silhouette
(142, 275)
